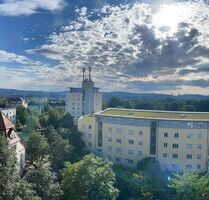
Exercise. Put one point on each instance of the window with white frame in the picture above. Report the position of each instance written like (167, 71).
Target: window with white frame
(131, 152)
(176, 135)
(130, 141)
(189, 156)
(199, 156)
(140, 133)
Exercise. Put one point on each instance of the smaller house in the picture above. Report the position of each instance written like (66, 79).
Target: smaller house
(15, 101)
(7, 128)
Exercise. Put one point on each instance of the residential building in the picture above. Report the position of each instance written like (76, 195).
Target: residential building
(178, 140)
(7, 128)
(85, 100)
(15, 101)
(10, 113)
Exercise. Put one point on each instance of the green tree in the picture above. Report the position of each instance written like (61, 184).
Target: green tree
(60, 152)
(11, 186)
(190, 186)
(128, 182)
(22, 114)
(44, 183)
(92, 178)
(36, 147)
(67, 121)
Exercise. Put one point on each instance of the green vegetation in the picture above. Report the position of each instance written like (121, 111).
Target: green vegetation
(59, 169)
(11, 184)
(171, 104)
(158, 114)
(90, 178)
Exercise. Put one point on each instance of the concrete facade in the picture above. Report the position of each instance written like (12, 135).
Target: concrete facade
(178, 140)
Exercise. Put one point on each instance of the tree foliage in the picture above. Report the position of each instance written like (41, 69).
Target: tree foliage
(190, 186)
(11, 186)
(36, 147)
(44, 183)
(91, 178)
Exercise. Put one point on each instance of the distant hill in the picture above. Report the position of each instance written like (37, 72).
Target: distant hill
(125, 95)
(29, 94)
(106, 95)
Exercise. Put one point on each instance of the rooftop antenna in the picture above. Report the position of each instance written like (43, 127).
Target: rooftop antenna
(89, 72)
(83, 73)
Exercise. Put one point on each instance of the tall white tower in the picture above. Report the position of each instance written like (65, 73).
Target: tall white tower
(88, 94)
(85, 100)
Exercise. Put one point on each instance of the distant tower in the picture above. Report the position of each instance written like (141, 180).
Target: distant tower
(88, 95)
(83, 73)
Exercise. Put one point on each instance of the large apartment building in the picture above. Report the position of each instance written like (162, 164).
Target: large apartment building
(85, 100)
(178, 140)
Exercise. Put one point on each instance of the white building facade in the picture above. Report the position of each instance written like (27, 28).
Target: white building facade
(85, 100)
(10, 113)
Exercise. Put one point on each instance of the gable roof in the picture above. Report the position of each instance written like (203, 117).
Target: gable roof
(5, 123)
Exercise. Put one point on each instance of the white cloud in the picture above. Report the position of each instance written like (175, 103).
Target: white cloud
(123, 43)
(29, 7)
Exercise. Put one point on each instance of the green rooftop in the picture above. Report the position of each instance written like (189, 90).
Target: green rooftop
(153, 114)
(89, 118)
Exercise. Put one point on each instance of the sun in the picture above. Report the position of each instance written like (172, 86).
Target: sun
(169, 16)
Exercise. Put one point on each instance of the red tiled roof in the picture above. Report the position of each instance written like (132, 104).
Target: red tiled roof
(5, 123)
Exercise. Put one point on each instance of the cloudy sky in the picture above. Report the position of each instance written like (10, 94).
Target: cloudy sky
(159, 46)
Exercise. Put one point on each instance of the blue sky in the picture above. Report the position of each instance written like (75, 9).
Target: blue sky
(157, 46)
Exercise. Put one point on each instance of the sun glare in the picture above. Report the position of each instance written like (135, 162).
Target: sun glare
(169, 16)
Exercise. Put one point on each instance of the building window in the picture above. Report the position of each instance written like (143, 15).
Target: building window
(188, 167)
(109, 139)
(200, 125)
(109, 148)
(129, 161)
(140, 133)
(165, 145)
(119, 140)
(199, 146)
(118, 150)
(189, 146)
(118, 130)
(175, 146)
(89, 135)
(130, 152)
(89, 144)
(176, 135)
(189, 156)
(198, 166)
(90, 127)
(131, 141)
(117, 159)
(140, 153)
(189, 135)
(165, 155)
(199, 156)
(165, 134)
(199, 135)
(130, 132)
(140, 143)
(175, 155)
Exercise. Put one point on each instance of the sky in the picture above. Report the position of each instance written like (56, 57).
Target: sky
(148, 46)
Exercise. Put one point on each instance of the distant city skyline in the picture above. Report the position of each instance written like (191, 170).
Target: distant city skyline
(142, 46)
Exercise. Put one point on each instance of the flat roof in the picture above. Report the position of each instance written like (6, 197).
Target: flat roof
(89, 118)
(155, 114)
